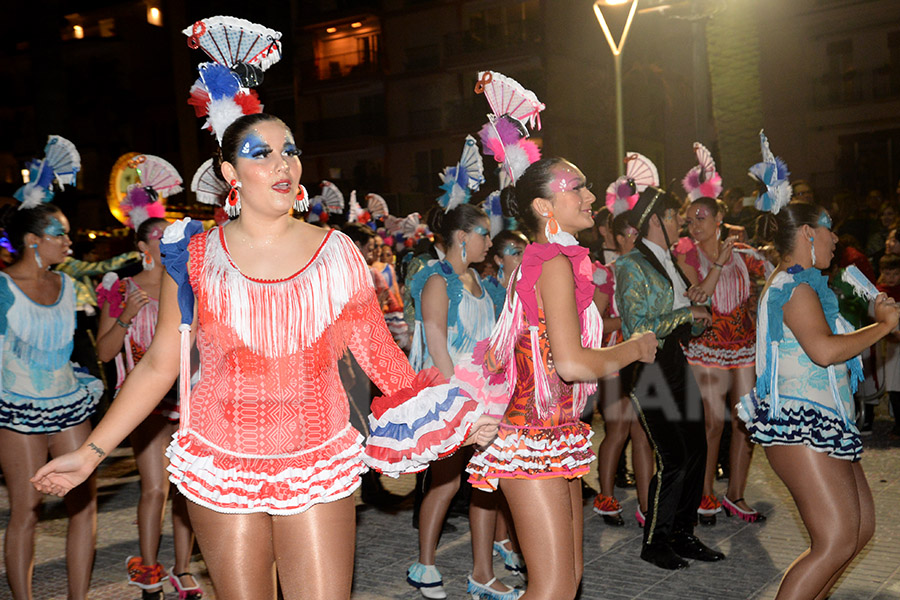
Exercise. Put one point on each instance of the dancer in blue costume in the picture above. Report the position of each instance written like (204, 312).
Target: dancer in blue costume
(453, 312)
(801, 410)
(44, 403)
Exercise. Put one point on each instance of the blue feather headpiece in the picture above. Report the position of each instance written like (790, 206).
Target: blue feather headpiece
(772, 173)
(61, 163)
(461, 180)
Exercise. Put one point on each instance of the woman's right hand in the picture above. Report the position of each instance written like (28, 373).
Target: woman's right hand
(647, 345)
(887, 311)
(65, 472)
(701, 313)
(135, 301)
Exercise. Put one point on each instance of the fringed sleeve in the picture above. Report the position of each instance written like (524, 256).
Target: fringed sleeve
(110, 292)
(420, 418)
(6, 302)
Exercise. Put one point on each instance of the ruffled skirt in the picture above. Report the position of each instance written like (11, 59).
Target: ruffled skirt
(533, 453)
(51, 415)
(282, 484)
(800, 421)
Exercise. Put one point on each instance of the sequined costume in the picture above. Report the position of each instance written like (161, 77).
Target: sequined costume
(469, 318)
(113, 291)
(796, 401)
(267, 429)
(42, 392)
(540, 432)
(730, 341)
(664, 394)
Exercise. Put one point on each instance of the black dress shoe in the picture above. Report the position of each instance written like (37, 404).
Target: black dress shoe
(688, 546)
(613, 520)
(662, 555)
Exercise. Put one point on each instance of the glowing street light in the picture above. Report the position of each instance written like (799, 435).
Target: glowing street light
(616, 49)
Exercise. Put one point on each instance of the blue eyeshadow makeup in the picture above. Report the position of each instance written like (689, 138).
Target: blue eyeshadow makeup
(253, 147)
(824, 220)
(54, 228)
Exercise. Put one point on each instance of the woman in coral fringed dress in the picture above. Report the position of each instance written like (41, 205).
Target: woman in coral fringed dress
(265, 452)
(548, 335)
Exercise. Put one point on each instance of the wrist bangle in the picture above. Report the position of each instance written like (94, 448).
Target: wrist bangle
(717, 266)
(122, 323)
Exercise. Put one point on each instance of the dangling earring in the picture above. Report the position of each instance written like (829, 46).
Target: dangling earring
(464, 251)
(719, 232)
(147, 261)
(812, 250)
(301, 202)
(500, 272)
(552, 226)
(233, 203)
(37, 257)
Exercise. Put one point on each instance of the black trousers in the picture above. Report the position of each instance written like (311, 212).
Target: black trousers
(667, 401)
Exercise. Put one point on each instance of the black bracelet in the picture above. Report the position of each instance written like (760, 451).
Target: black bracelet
(122, 323)
(718, 265)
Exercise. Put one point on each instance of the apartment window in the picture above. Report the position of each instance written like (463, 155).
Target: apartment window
(348, 49)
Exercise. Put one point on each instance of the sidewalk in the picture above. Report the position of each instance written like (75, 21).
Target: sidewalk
(757, 554)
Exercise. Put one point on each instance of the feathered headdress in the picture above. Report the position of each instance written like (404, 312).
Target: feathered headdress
(640, 173)
(61, 163)
(505, 135)
(461, 180)
(773, 175)
(157, 179)
(702, 181)
(494, 210)
(241, 52)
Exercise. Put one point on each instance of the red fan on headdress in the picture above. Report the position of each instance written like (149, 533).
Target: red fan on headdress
(509, 97)
(208, 186)
(229, 41)
(702, 181)
(640, 172)
(377, 206)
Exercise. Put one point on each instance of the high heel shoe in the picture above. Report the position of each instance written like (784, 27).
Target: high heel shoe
(610, 509)
(428, 579)
(709, 506)
(731, 508)
(185, 593)
(639, 516)
(512, 560)
(484, 591)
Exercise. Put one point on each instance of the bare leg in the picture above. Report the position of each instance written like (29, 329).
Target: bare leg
(617, 418)
(741, 450)
(183, 539)
(444, 485)
(831, 505)
(149, 441)
(714, 385)
(550, 516)
(20, 456)
(238, 551)
(81, 506)
(314, 551)
(642, 459)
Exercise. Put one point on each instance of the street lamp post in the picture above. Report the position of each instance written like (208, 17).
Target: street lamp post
(616, 49)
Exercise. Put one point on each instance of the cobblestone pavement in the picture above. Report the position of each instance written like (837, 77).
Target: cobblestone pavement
(758, 554)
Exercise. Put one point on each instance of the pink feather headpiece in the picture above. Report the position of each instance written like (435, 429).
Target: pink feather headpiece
(702, 181)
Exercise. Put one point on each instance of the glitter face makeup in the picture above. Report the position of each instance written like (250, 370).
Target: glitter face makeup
(481, 230)
(54, 228)
(566, 181)
(824, 220)
(253, 147)
(512, 250)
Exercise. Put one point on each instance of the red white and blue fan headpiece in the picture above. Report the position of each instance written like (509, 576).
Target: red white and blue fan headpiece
(773, 175)
(61, 163)
(158, 180)
(509, 97)
(702, 181)
(461, 180)
(640, 173)
(241, 52)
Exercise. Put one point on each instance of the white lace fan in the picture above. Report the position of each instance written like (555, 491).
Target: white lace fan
(159, 174)
(229, 41)
(377, 206)
(332, 198)
(61, 155)
(209, 187)
(507, 96)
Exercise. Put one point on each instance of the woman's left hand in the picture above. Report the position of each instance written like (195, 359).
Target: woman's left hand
(696, 295)
(483, 431)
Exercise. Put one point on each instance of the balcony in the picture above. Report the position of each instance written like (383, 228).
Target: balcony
(520, 35)
(857, 86)
(348, 65)
(421, 58)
